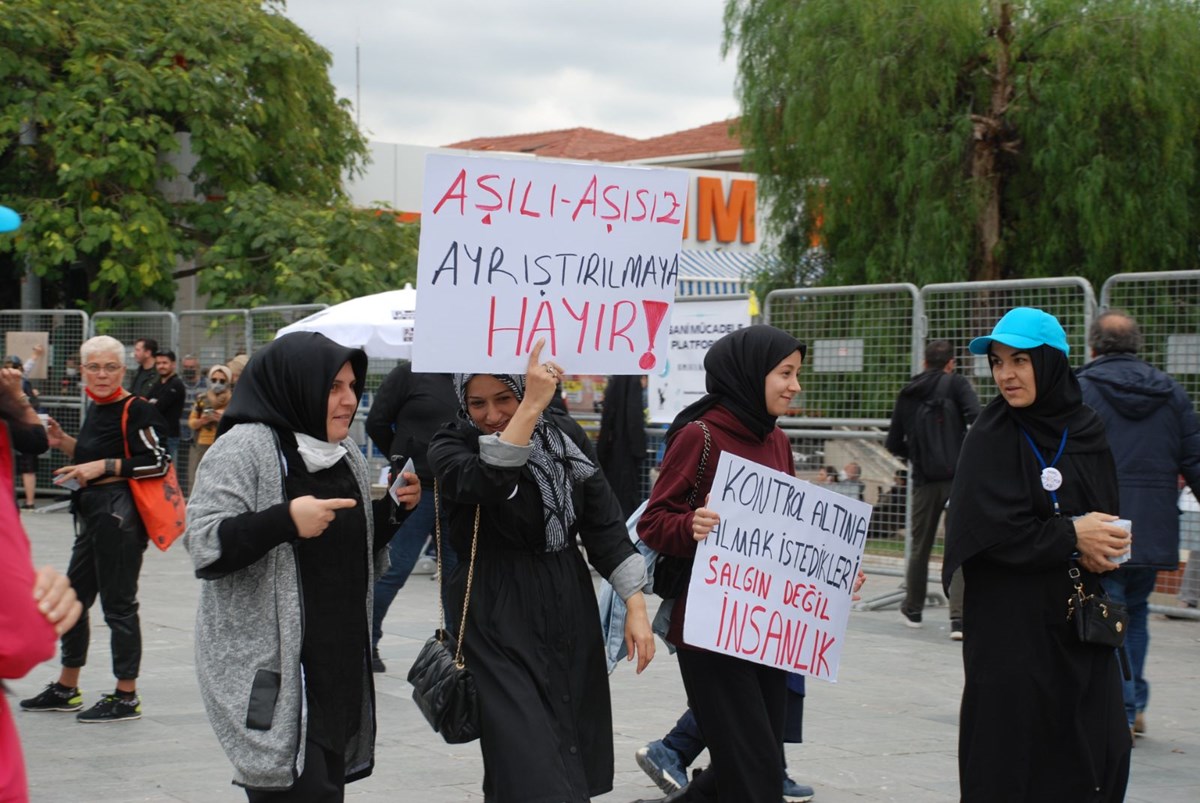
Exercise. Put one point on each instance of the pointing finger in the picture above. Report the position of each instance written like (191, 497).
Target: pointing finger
(337, 504)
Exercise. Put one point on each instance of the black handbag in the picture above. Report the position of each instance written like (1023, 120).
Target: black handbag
(443, 687)
(1098, 620)
(672, 573)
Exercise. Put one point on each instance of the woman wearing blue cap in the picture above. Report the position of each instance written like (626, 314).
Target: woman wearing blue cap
(1035, 493)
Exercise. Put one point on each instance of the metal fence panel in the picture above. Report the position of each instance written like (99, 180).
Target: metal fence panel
(214, 336)
(266, 321)
(961, 311)
(860, 345)
(60, 394)
(130, 327)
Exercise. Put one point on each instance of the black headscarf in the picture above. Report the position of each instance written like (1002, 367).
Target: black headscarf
(735, 370)
(997, 481)
(286, 384)
(554, 459)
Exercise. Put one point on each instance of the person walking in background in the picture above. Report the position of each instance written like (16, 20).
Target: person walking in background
(520, 481)
(751, 377)
(194, 385)
(1155, 437)
(621, 444)
(281, 530)
(106, 558)
(28, 445)
(407, 410)
(205, 417)
(929, 421)
(1031, 514)
(168, 395)
(146, 375)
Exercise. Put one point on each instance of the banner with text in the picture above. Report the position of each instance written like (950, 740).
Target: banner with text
(694, 327)
(583, 255)
(772, 584)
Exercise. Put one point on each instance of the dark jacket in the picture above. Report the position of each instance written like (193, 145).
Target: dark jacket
(1155, 436)
(921, 387)
(407, 409)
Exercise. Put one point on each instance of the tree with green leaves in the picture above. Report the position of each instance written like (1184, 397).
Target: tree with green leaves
(145, 140)
(948, 140)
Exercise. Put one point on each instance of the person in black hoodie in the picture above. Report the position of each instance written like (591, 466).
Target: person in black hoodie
(1155, 437)
(621, 445)
(1034, 498)
(931, 485)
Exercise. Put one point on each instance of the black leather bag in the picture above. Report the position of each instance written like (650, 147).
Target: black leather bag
(1097, 619)
(443, 688)
(445, 691)
(673, 573)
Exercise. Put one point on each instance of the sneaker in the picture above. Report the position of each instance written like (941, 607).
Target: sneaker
(663, 765)
(112, 708)
(911, 619)
(54, 698)
(956, 629)
(377, 664)
(795, 792)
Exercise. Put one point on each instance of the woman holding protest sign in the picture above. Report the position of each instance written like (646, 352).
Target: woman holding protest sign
(519, 483)
(1030, 517)
(751, 376)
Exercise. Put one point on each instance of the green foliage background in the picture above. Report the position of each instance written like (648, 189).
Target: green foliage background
(107, 86)
(861, 117)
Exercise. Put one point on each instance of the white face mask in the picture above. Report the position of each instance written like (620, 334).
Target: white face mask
(217, 387)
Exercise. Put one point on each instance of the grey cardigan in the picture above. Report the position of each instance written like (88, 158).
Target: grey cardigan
(249, 623)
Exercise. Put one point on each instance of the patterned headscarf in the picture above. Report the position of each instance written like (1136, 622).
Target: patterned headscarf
(556, 462)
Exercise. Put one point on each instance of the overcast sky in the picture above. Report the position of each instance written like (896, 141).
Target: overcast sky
(433, 72)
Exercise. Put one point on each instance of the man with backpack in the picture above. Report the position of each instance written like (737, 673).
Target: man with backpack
(929, 422)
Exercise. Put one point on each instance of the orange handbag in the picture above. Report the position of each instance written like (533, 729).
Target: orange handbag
(159, 501)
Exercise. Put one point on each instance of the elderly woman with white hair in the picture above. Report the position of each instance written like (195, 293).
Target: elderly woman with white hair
(123, 437)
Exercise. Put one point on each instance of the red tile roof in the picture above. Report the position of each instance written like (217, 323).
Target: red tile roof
(710, 138)
(588, 143)
(567, 143)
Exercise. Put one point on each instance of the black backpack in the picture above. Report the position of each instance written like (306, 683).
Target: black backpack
(938, 433)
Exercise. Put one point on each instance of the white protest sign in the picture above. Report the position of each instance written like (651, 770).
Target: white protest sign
(772, 584)
(694, 327)
(583, 255)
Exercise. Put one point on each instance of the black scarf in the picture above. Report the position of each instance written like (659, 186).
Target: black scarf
(997, 480)
(554, 459)
(735, 373)
(286, 384)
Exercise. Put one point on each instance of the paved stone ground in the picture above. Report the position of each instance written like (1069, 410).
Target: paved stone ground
(885, 732)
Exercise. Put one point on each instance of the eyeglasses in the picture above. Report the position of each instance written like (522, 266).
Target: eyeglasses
(107, 368)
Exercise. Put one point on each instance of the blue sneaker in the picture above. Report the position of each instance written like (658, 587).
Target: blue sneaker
(663, 765)
(796, 793)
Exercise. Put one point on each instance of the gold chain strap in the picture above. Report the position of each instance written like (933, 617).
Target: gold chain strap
(437, 525)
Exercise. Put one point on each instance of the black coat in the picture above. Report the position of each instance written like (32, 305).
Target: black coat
(533, 640)
(406, 411)
(904, 413)
(1155, 436)
(1042, 715)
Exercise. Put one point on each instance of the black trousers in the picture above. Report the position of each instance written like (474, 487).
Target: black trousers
(323, 780)
(106, 560)
(739, 707)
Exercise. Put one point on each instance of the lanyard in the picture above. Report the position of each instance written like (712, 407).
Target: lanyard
(1051, 477)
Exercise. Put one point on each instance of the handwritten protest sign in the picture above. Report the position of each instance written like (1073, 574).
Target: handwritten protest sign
(772, 584)
(583, 255)
(693, 328)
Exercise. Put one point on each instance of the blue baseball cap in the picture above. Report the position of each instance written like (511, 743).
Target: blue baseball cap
(1024, 328)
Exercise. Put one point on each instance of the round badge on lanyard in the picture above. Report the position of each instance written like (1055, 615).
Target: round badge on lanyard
(1052, 478)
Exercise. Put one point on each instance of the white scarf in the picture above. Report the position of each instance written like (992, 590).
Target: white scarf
(318, 454)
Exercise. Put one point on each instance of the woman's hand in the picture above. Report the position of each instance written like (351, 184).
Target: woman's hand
(858, 584)
(312, 516)
(56, 599)
(703, 521)
(1098, 540)
(409, 494)
(639, 638)
(54, 434)
(541, 379)
(82, 473)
